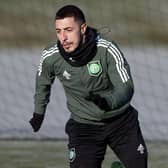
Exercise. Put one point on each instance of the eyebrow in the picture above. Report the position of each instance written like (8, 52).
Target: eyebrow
(64, 28)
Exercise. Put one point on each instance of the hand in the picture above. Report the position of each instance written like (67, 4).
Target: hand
(36, 121)
(99, 101)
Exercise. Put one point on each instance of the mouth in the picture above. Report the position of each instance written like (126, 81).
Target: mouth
(66, 45)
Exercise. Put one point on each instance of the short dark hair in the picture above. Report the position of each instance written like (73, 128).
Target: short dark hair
(70, 11)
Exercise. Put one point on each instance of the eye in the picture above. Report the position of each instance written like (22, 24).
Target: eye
(69, 29)
(58, 31)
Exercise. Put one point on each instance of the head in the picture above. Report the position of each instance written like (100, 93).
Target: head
(70, 27)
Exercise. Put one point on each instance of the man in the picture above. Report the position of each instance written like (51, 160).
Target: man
(98, 87)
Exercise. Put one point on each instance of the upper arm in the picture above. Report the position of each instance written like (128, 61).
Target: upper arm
(118, 68)
(45, 70)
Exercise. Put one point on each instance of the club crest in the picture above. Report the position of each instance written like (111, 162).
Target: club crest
(94, 68)
(72, 154)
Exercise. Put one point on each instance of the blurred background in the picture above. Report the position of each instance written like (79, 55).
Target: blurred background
(140, 28)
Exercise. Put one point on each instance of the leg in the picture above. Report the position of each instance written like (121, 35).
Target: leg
(130, 146)
(134, 152)
(86, 145)
(84, 156)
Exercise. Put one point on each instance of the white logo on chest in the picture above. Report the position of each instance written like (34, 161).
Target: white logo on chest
(67, 75)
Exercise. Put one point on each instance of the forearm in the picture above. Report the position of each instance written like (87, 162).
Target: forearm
(42, 93)
(120, 96)
(41, 99)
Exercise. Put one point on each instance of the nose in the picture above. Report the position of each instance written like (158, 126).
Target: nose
(63, 36)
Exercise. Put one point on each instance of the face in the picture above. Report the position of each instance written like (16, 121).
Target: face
(69, 33)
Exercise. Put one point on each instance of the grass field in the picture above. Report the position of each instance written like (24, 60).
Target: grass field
(53, 154)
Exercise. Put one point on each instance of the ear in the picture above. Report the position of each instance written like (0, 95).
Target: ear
(83, 28)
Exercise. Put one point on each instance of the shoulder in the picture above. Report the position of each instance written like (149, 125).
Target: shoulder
(47, 56)
(102, 42)
(49, 51)
(110, 46)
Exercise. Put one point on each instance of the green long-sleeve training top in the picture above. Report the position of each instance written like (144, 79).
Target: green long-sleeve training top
(107, 74)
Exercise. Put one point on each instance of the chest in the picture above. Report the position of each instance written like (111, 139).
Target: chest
(90, 77)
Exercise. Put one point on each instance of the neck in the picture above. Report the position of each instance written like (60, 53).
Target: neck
(85, 51)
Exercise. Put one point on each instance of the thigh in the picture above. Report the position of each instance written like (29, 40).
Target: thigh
(133, 153)
(131, 148)
(86, 145)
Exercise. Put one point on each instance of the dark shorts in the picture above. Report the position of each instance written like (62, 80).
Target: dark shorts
(88, 143)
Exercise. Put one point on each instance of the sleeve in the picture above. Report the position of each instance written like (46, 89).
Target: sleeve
(44, 80)
(119, 74)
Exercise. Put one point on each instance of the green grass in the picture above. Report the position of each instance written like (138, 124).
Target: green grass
(53, 154)
(32, 22)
